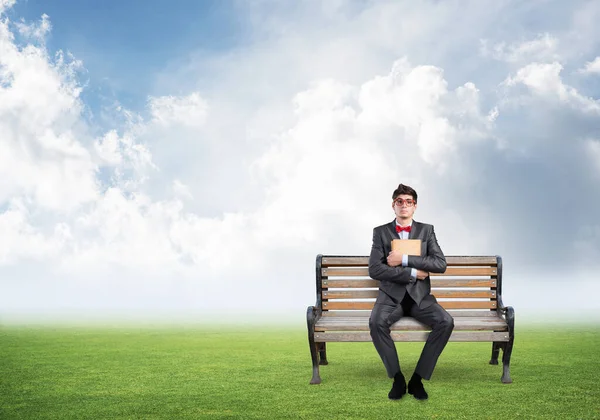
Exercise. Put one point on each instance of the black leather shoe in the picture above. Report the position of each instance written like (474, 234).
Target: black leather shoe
(398, 389)
(416, 389)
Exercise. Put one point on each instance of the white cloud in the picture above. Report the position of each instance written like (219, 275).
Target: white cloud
(543, 48)
(417, 101)
(190, 110)
(6, 4)
(19, 240)
(37, 32)
(591, 66)
(39, 106)
(123, 229)
(182, 190)
(129, 159)
(545, 80)
(108, 148)
(542, 78)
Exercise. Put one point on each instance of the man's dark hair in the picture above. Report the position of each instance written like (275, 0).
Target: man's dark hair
(404, 189)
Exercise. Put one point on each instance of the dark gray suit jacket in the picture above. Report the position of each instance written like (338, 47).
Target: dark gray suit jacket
(395, 281)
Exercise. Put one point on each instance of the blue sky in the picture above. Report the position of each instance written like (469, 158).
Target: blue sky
(201, 144)
(124, 44)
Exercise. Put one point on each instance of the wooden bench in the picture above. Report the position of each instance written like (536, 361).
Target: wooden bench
(470, 289)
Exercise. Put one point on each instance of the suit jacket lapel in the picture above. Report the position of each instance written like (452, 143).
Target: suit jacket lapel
(392, 229)
(415, 231)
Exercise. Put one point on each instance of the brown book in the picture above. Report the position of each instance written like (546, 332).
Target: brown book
(407, 246)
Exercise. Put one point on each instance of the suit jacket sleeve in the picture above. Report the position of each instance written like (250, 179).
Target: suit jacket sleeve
(378, 267)
(434, 260)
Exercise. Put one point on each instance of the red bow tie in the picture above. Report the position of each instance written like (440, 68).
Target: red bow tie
(402, 229)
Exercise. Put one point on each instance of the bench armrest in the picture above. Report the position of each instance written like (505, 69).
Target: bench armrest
(509, 315)
(313, 313)
(312, 316)
(501, 306)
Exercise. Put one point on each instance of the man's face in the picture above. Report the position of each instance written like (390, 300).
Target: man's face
(404, 206)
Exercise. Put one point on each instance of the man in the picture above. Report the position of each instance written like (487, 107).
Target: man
(405, 290)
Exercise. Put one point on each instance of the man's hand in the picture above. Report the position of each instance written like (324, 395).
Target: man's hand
(421, 275)
(394, 258)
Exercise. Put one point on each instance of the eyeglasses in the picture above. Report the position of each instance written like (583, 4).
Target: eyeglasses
(400, 202)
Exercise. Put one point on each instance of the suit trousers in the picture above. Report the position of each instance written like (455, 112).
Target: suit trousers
(387, 311)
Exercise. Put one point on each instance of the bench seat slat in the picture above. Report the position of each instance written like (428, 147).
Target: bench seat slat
(410, 324)
(435, 282)
(365, 336)
(450, 271)
(453, 260)
(366, 294)
(454, 312)
(488, 304)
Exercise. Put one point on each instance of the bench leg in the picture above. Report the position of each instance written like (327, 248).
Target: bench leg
(506, 353)
(314, 349)
(495, 352)
(508, 346)
(316, 378)
(323, 354)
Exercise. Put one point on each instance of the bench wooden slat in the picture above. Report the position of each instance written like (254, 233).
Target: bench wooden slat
(488, 304)
(410, 324)
(453, 260)
(454, 312)
(366, 294)
(321, 337)
(467, 271)
(336, 261)
(450, 271)
(435, 282)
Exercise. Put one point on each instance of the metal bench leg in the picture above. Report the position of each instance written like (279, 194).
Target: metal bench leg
(507, 348)
(316, 378)
(323, 354)
(495, 352)
(506, 353)
(314, 350)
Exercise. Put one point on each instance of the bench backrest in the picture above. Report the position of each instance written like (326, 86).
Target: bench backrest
(469, 283)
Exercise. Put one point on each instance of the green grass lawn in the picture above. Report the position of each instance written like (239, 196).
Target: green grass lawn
(184, 372)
